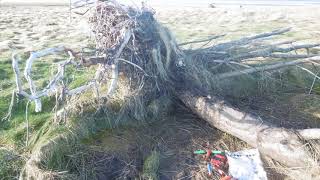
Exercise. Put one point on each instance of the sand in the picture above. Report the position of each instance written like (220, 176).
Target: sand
(34, 2)
(195, 23)
(26, 28)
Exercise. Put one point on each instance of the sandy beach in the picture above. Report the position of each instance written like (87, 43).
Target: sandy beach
(177, 3)
(34, 2)
(33, 27)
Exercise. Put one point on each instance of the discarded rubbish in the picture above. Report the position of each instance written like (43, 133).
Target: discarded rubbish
(241, 165)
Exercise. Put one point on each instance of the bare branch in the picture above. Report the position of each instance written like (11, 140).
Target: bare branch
(313, 82)
(202, 40)
(246, 40)
(80, 89)
(51, 87)
(231, 62)
(266, 67)
(268, 52)
(114, 79)
(309, 134)
(16, 71)
(115, 66)
(9, 113)
(310, 72)
(28, 67)
(133, 64)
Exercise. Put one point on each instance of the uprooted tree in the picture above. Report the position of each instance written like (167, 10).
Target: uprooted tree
(132, 47)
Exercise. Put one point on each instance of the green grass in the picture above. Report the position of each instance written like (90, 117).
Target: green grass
(13, 132)
(10, 165)
(151, 166)
(70, 154)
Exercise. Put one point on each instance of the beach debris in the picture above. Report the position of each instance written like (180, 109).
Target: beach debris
(132, 46)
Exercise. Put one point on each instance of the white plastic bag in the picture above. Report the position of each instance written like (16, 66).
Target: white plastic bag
(246, 165)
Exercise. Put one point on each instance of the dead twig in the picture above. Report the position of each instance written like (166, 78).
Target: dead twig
(202, 40)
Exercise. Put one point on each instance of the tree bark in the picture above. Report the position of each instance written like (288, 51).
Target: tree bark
(286, 146)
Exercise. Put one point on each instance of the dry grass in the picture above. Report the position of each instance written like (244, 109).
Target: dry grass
(173, 138)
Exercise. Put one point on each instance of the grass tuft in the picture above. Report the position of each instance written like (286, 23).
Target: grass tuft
(10, 164)
(151, 166)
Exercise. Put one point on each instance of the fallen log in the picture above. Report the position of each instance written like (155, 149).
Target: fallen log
(286, 146)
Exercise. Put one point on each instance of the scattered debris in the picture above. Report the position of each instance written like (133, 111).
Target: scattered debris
(241, 165)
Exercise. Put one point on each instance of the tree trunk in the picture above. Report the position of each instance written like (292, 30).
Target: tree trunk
(286, 146)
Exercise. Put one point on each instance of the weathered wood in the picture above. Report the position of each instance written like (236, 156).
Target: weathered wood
(52, 87)
(278, 65)
(286, 146)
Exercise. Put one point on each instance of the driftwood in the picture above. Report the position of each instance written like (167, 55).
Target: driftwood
(133, 37)
(287, 146)
(52, 87)
(279, 65)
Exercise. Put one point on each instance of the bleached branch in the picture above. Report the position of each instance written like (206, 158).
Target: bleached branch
(28, 68)
(51, 87)
(309, 134)
(115, 66)
(202, 40)
(266, 67)
(269, 52)
(247, 40)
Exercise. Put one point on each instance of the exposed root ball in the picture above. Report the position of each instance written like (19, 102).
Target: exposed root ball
(131, 42)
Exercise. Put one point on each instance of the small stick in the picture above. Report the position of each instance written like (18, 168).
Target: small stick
(202, 40)
(27, 121)
(133, 64)
(313, 82)
(9, 113)
(308, 71)
(246, 40)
